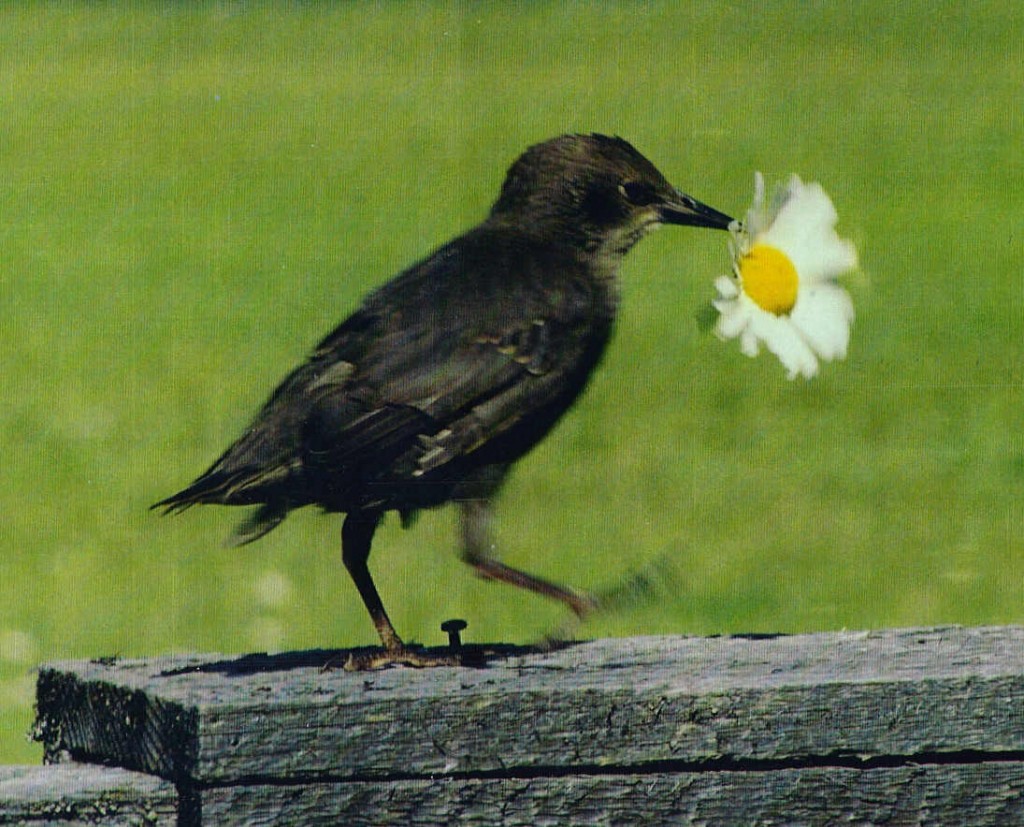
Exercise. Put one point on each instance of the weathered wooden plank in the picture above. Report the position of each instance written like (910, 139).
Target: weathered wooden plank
(77, 794)
(977, 794)
(909, 694)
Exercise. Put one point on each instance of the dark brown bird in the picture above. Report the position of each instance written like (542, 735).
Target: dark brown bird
(454, 369)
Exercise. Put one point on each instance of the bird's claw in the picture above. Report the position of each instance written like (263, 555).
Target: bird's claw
(583, 604)
(405, 656)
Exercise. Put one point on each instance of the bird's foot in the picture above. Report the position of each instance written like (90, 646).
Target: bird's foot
(583, 604)
(400, 656)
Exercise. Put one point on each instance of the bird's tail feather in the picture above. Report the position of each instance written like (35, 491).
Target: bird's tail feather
(259, 523)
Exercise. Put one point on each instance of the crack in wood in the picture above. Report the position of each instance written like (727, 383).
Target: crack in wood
(722, 765)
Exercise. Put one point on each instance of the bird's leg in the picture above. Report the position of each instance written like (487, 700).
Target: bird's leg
(356, 537)
(478, 551)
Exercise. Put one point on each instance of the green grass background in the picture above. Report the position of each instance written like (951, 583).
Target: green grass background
(191, 195)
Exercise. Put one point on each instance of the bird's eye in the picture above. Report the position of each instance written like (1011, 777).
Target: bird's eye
(638, 193)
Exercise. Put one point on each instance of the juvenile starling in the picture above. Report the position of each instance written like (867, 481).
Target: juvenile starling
(454, 369)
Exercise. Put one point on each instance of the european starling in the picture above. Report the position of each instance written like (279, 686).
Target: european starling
(454, 369)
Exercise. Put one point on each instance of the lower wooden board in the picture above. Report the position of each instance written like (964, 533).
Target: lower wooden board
(78, 794)
(976, 794)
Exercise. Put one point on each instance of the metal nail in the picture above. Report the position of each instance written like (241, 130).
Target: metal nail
(453, 628)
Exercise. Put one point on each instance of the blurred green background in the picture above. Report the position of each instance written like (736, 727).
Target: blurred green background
(192, 194)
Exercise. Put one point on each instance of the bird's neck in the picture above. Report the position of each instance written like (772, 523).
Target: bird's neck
(599, 258)
(603, 269)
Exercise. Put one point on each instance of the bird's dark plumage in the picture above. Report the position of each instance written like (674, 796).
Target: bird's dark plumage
(458, 366)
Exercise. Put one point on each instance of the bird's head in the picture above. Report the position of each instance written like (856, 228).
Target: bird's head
(597, 192)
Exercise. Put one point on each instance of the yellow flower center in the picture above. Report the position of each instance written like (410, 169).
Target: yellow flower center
(769, 278)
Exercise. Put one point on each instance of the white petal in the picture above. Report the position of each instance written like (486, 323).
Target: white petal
(748, 343)
(806, 213)
(781, 338)
(823, 315)
(827, 257)
(727, 287)
(805, 230)
(757, 218)
(732, 321)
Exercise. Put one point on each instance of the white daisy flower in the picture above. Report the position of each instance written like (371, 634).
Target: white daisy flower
(783, 293)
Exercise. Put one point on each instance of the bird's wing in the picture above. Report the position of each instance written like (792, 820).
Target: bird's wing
(432, 366)
(428, 390)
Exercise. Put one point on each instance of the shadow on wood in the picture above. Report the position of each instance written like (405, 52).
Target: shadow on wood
(473, 655)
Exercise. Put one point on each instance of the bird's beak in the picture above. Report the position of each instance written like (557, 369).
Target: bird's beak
(689, 211)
